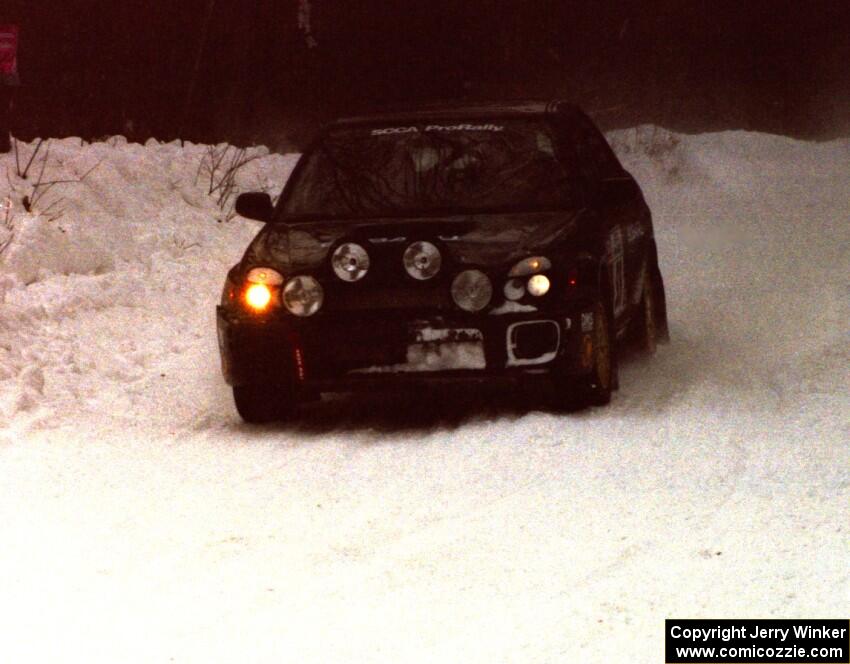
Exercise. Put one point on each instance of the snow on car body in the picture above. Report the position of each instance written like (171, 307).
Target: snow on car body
(479, 243)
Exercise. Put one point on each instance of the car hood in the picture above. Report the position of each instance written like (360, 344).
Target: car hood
(486, 240)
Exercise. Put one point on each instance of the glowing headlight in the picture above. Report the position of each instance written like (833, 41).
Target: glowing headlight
(350, 262)
(262, 288)
(264, 275)
(538, 285)
(303, 296)
(472, 290)
(530, 265)
(422, 260)
(258, 297)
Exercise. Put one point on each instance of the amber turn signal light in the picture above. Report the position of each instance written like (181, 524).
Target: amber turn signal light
(258, 297)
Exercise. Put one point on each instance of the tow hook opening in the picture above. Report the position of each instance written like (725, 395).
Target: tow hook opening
(533, 342)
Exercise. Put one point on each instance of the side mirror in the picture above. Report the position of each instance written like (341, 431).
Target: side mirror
(255, 205)
(616, 191)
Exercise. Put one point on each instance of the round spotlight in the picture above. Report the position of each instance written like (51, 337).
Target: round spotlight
(514, 289)
(472, 290)
(539, 285)
(303, 296)
(258, 297)
(422, 260)
(350, 262)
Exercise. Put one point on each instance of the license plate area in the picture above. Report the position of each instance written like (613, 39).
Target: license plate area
(446, 349)
(438, 349)
(430, 335)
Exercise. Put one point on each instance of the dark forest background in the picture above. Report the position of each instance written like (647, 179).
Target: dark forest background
(270, 70)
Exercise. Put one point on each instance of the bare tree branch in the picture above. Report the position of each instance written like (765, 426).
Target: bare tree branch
(220, 165)
(7, 222)
(23, 174)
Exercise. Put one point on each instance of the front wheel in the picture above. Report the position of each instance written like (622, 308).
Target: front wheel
(260, 404)
(649, 327)
(595, 387)
(646, 332)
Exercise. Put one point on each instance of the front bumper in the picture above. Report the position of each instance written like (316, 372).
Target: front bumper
(351, 351)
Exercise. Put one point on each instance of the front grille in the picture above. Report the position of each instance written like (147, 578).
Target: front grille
(381, 298)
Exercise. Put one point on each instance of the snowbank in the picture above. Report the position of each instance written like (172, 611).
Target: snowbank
(128, 232)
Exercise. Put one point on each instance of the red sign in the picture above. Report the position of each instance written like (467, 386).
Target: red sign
(9, 52)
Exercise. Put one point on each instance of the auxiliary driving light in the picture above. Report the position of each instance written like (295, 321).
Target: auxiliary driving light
(472, 290)
(538, 285)
(422, 260)
(303, 295)
(350, 262)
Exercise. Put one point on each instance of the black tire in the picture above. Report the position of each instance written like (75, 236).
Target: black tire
(646, 322)
(596, 387)
(660, 305)
(260, 404)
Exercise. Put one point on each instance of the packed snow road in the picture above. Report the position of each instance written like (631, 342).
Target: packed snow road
(142, 521)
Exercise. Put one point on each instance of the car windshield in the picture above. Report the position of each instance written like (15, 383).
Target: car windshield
(452, 167)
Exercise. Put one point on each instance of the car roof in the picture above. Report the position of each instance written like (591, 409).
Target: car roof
(458, 110)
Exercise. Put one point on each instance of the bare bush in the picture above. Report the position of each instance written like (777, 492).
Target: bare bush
(182, 245)
(33, 201)
(218, 169)
(23, 173)
(7, 224)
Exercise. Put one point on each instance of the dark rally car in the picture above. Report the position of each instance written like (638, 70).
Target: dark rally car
(500, 242)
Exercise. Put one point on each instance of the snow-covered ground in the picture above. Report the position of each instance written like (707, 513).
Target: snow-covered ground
(142, 521)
